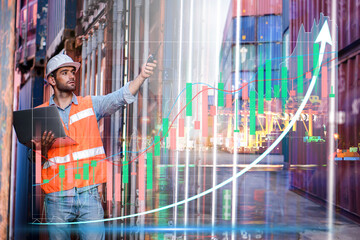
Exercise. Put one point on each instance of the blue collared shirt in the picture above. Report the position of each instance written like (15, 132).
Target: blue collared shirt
(103, 106)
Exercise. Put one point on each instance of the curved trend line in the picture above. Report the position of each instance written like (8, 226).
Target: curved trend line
(247, 168)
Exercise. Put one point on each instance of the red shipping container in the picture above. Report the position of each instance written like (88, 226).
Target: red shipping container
(266, 7)
(305, 12)
(348, 90)
(247, 7)
(31, 19)
(348, 14)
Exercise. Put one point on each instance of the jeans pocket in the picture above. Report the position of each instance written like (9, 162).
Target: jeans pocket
(94, 193)
(92, 202)
(58, 209)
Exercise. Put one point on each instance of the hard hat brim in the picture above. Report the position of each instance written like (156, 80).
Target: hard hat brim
(76, 65)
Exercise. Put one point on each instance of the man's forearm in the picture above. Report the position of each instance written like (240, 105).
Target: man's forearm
(135, 85)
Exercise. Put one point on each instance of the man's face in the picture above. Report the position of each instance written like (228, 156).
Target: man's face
(65, 79)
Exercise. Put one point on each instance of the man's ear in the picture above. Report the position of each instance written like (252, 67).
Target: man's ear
(51, 80)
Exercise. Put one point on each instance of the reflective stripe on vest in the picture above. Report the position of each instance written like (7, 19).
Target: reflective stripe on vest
(56, 160)
(80, 115)
(88, 153)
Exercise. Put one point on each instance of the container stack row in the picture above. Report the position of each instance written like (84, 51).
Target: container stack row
(259, 38)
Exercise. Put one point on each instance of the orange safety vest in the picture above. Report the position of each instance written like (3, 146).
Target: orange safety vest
(78, 165)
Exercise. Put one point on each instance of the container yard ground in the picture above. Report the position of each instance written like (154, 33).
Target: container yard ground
(342, 232)
(266, 201)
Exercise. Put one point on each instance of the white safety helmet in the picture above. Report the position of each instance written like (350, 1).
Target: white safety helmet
(59, 61)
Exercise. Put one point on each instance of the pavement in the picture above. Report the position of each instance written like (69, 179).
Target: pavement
(266, 207)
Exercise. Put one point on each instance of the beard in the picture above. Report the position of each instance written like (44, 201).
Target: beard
(65, 87)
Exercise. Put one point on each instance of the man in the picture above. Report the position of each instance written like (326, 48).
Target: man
(74, 172)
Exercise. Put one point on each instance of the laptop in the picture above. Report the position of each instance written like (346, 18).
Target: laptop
(32, 123)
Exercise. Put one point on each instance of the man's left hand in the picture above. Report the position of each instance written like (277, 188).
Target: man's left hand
(148, 69)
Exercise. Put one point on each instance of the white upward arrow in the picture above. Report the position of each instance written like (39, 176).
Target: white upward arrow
(323, 37)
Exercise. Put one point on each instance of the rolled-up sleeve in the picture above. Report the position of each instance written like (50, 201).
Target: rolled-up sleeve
(112, 102)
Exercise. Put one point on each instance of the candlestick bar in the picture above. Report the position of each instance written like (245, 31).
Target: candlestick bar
(220, 94)
(300, 72)
(205, 111)
(252, 112)
(149, 171)
(261, 90)
(188, 99)
(268, 80)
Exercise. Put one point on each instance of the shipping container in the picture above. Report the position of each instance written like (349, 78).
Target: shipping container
(269, 29)
(226, 67)
(247, 57)
(247, 33)
(349, 102)
(307, 11)
(31, 17)
(274, 77)
(31, 48)
(285, 15)
(348, 22)
(347, 180)
(61, 20)
(265, 7)
(24, 177)
(275, 80)
(227, 35)
(247, 7)
(227, 42)
(270, 52)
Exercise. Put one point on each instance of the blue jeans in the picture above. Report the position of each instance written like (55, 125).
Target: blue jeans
(82, 207)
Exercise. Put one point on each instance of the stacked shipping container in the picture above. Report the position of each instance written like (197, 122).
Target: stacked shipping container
(346, 172)
(260, 38)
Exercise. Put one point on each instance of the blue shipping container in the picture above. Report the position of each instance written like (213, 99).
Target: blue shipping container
(272, 52)
(61, 16)
(275, 79)
(247, 30)
(269, 29)
(226, 68)
(247, 57)
(286, 19)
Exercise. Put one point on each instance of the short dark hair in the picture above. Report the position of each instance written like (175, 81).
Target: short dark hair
(53, 73)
